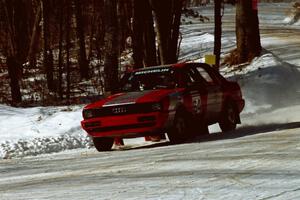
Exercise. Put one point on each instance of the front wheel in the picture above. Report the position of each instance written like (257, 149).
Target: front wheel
(103, 144)
(199, 128)
(178, 131)
(229, 118)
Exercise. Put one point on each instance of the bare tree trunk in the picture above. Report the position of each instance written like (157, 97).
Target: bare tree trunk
(256, 46)
(21, 28)
(163, 20)
(123, 18)
(60, 48)
(34, 38)
(167, 21)
(218, 32)
(149, 37)
(92, 33)
(13, 72)
(247, 31)
(100, 28)
(83, 62)
(137, 33)
(176, 15)
(48, 56)
(17, 26)
(111, 46)
(143, 35)
(68, 45)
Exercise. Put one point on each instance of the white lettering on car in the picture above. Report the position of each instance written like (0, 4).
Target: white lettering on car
(152, 71)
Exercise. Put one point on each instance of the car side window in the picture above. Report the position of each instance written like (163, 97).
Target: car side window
(205, 75)
(193, 76)
(218, 78)
(187, 79)
(183, 78)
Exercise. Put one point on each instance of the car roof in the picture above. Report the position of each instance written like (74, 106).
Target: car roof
(176, 65)
(153, 68)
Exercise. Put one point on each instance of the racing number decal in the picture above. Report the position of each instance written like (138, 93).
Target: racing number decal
(196, 100)
(197, 105)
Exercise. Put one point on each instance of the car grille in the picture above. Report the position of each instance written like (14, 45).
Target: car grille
(123, 127)
(92, 124)
(122, 110)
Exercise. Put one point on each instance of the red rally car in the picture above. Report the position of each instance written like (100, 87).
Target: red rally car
(180, 100)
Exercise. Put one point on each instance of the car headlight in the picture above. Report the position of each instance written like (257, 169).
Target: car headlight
(87, 114)
(156, 107)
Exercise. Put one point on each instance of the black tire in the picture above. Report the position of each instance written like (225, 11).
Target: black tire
(229, 118)
(198, 128)
(204, 129)
(103, 144)
(178, 131)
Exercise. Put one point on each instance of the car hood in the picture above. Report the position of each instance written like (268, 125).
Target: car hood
(132, 98)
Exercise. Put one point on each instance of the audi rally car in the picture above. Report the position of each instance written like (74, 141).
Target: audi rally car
(180, 100)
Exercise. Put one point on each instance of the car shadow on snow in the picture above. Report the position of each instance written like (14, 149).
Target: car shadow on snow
(249, 130)
(238, 133)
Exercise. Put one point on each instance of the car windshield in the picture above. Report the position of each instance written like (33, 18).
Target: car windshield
(157, 78)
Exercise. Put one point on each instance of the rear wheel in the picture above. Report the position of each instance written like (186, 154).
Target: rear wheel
(178, 131)
(103, 144)
(229, 118)
(204, 129)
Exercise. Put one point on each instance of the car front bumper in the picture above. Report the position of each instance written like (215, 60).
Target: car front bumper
(126, 126)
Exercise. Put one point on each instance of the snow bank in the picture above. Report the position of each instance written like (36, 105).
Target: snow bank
(196, 44)
(267, 83)
(288, 20)
(268, 86)
(44, 130)
(283, 115)
(294, 14)
(17, 123)
(291, 20)
(33, 131)
(36, 146)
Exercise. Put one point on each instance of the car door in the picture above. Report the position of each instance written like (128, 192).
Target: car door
(214, 95)
(194, 91)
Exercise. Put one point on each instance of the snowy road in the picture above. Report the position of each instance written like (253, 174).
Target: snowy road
(260, 162)
(278, 36)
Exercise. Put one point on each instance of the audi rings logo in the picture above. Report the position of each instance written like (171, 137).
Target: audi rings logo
(119, 110)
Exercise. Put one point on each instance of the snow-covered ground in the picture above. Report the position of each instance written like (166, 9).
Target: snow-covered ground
(253, 163)
(270, 82)
(34, 131)
(258, 161)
